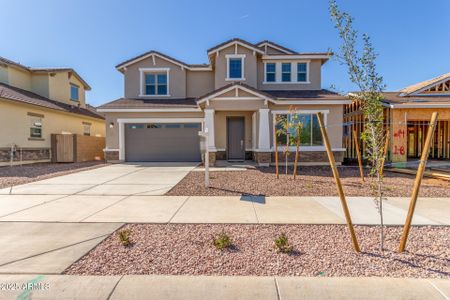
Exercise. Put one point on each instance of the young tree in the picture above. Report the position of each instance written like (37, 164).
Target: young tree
(361, 69)
(288, 130)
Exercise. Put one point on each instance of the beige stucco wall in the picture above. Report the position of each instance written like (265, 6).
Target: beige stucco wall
(15, 124)
(334, 120)
(177, 78)
(220, 126)
(40, 84)
(250, 63)
(3, 74)
(59, 88)
(19, 78)
(112, 134)
(199, 83)
(315, 67)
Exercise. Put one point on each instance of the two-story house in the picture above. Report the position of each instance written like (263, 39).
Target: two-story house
(236, 97)
(38, 102)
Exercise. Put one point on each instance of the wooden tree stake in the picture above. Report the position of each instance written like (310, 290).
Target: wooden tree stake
(338, 182)
(386, 147)
(358, 153)
(276, 149)
(417, 182)
(296, 152)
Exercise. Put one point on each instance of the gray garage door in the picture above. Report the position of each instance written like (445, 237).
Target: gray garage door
(162, 142)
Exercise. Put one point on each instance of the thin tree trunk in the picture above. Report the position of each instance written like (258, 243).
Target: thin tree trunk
(296, 152)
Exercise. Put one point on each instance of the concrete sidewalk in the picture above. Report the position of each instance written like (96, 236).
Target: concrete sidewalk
(223, 287)
(232, 209)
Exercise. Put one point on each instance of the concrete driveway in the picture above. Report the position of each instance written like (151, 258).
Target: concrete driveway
(113, 180)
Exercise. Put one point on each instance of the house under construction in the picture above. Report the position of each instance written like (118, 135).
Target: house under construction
(407, 116)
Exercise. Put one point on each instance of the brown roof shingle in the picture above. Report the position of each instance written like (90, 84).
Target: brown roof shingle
(150, 103)
(307, 95)
(16, 94)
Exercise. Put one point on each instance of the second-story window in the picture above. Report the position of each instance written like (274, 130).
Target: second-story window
(74, 92)
(302, 72)
(235, 67)
(156, 84)
(270, 72)
(286, 72)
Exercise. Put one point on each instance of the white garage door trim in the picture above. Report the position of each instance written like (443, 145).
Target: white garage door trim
(122, 123)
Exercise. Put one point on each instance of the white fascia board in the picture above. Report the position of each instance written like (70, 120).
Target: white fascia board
(327, 102)
(235, 87)
(150, 110)
(434, 105)
(160, 120)
(239, 43)
(296, 56)
(274, 47)
(209, 68)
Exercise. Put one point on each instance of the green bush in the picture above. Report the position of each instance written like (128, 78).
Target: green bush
(282, 244)
(222, 241)
(124, 237)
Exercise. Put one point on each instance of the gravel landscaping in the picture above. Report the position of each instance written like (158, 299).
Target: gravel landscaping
(318, 250)
(312, 181)
(10, 176)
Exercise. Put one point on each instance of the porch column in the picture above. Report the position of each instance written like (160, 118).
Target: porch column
(121, 140)
(264, 131)
(209, 123)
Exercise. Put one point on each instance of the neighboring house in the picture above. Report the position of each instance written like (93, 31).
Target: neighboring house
(408, 113)
(35, 103)
(235, 96)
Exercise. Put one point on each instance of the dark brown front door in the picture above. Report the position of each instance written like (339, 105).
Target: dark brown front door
(236, 138)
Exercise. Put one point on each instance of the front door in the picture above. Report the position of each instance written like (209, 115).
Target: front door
(236, 138)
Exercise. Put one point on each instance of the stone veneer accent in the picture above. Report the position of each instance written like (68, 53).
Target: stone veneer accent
(263, 158)
(112, 155)
(310, 156)
(212, 158)
(28, 154)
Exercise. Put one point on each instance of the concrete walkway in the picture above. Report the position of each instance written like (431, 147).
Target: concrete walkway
(113, 180)
(211, 287)
(194, 209)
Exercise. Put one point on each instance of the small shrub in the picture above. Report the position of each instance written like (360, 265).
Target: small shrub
(222, 241)
(282, 244)
(124, 237)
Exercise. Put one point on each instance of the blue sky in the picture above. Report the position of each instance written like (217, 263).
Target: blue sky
(412, 37)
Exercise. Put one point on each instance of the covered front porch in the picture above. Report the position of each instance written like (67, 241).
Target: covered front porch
(241, 126)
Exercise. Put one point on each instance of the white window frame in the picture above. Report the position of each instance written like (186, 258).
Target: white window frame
(278, 72)
(242, 57)
(290, 71)
(87, 126)
(72, 85)
(325, 113)
(307, 71)
(33, 125)
(265, 72)
(143, 72)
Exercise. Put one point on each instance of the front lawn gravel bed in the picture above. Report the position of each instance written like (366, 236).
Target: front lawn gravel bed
(10, 176)
(312, 181)
(319, 250)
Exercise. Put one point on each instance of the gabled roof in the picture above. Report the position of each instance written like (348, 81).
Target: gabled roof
(418, 87)
(163, 56)
(13, 63)
(231, 86)
(45, 70)
(232, 42)
(19, 95)
(276, 46)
